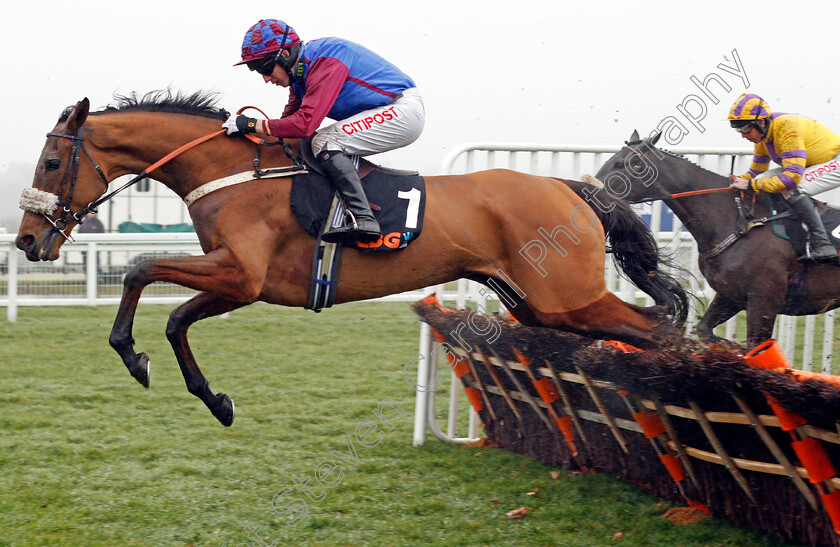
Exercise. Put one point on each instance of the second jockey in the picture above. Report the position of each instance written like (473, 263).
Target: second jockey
(805, 149)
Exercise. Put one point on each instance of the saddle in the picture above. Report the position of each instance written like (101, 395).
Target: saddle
(787, 225)
(397, 200)
(790, 227)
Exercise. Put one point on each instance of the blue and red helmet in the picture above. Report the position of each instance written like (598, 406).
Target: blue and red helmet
(268, 37)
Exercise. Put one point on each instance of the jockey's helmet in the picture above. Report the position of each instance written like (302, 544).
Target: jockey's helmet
(263, 43)
(747, 110)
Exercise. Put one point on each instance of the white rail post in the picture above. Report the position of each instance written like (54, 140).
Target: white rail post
(454, 394)
(694, 283)
(787, 336)
(92, 266)
(808, 343)
(828, 342)
(11, 309)
(731, 327)
(421, 400)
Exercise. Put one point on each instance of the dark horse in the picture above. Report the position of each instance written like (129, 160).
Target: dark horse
(754, 272)
(483, 226)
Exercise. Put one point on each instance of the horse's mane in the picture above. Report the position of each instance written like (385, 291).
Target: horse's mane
(200, 103)
(679, 157)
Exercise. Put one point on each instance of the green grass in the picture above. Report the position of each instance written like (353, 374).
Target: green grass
(817, 355)
(89, 457)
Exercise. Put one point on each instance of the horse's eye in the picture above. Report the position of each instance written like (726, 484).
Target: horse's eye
(52, 165)
(619, 164)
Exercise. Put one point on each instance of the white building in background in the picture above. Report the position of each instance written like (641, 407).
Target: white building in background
(148, 201)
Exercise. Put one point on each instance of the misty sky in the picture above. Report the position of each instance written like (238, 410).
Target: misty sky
(527, 71)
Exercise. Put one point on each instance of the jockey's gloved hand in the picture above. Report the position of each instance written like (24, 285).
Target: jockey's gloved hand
(237, 123)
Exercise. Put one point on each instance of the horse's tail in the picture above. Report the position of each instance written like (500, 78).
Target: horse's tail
(635, 250)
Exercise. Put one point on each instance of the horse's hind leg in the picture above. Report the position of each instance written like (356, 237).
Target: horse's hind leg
(199, 307)
(611, 318)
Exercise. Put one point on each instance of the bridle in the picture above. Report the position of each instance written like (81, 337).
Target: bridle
(50, 202)
(745, 224)
(679, 194)
(68, 183)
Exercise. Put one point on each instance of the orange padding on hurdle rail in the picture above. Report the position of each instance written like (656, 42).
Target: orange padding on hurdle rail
(475, 398)
(788, 420)
(621, 346)
(461, 368)
(565, 425)
(831, 502)
(431, 299)
(650, 423)
(507, 316)
(803, 375)
(768, 355)
(521, 358)
(700, 506)
(813, 457)
(546, 390)
(438, 336)
(674, 467)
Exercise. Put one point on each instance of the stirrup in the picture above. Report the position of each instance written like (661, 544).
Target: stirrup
(832, 258)
(364, 231)
(338, 235)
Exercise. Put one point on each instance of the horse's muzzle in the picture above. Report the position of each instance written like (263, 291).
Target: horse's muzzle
(34, 252)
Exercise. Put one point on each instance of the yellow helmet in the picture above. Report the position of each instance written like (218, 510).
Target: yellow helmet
(749, 107)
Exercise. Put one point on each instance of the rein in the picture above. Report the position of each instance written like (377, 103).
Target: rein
(684, 194)
(745, 224)
(258, 173)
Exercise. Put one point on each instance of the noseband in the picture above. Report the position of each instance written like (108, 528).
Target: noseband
(45, 203)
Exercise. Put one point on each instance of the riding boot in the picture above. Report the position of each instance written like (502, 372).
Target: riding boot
(821, 248)
(362, 224)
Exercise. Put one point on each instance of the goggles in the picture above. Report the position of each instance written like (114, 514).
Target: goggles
(745, 128)
(264, 66)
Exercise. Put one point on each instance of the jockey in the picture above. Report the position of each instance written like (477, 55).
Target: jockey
(376, 107)
(808, 154)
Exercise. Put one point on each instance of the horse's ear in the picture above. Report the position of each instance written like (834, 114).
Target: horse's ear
(655, 138)
(634, 137)
(78, 116)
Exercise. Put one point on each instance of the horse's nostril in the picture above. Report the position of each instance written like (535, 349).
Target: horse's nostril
(25, 242)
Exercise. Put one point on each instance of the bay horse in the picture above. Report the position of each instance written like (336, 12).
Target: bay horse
(483, 226)
(748, 269)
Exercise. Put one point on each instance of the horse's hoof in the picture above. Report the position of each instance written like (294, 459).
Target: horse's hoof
(225, 410)
(141, 369)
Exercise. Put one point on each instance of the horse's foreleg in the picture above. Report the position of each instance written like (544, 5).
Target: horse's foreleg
(199, 307)
(215, 272)
(719, 311)
(761, 316)
(121, 338)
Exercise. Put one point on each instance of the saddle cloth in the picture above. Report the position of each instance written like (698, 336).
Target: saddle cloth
(398, 202)
(791, 227)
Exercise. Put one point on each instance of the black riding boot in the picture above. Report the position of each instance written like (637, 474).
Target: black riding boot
(361, 223)
(821, 249)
